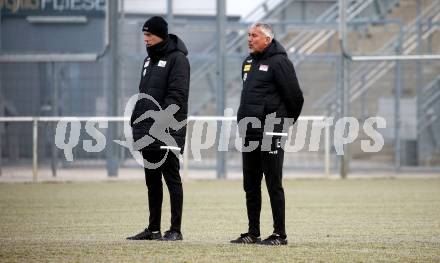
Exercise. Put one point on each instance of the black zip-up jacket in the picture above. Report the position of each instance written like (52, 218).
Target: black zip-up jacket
(269, 85)
(165, 76)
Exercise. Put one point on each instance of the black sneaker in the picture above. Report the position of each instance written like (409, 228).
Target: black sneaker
(147, 234)
(246, 238)
(274, 240)
(171, 235)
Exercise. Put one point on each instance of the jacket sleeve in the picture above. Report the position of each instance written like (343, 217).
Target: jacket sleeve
(133, 115)
(288, 86)
(178, 83)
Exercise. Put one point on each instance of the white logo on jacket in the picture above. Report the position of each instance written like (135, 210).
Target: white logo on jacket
(162, 63)
(264, 67)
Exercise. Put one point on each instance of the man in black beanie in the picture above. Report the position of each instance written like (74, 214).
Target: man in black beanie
(165, 79)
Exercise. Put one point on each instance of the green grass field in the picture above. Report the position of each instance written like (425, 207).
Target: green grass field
(327, 220)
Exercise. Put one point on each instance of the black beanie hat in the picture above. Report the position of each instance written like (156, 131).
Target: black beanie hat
(156, 26)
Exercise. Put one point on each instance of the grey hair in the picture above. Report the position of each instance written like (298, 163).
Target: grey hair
(265, 28)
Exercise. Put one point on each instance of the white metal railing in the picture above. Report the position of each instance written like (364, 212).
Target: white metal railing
(375, 71)
(36, 120)
(307, 42)
(260, 12)
(304, 43)
(204, 68)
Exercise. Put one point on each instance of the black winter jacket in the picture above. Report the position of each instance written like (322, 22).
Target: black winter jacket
(165, 77)
(269, 85)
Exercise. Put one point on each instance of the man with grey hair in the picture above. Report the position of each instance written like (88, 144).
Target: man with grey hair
(270, 87)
